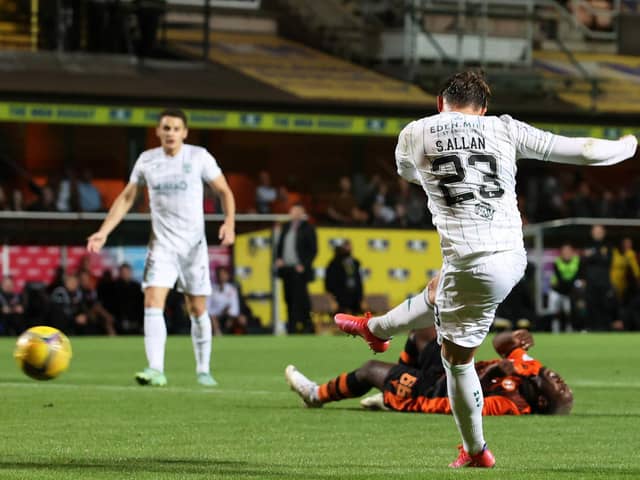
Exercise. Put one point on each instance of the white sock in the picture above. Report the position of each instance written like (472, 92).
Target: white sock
(466, 399)
(416, 312)
(155, 337)
(201, 337)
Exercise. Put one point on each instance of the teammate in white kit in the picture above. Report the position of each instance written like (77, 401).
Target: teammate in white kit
(466, 164)
(174, 175)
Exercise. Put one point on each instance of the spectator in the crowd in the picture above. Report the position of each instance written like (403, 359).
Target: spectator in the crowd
(68, 311)
(67, 199)
(46, 201)
(601, 299)
(296, 249)
(57, 279)
(412, 199)
(343, 279)
(625, 277)
(17, 200)
(224, 305)
(4, 201)
(11, 308)
(211, 202)
(266, 193)
(550, 203)
(284, 200)
(129, 306)
(582, 204)
(518, 309)
(105, 287)
(566, 281)
(89, 199)
(382, 215)
(98, 317)
(343, 207)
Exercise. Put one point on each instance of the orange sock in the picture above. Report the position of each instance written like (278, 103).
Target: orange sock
(343, 386)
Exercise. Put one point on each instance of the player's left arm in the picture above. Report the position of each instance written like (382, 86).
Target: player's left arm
(226, 233)
(538, 144)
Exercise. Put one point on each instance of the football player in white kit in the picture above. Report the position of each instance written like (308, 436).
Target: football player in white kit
(466, 164)
(173, 174)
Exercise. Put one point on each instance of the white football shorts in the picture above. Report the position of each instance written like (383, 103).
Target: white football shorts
(467, 296)
(188, 271)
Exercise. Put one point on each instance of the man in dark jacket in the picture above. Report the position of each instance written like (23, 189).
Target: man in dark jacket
(343, 280)
(297, 247)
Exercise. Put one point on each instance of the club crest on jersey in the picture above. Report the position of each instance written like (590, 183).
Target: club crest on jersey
(417, 245)
(484, 210)
(400, 274)
(378, 244)
(186, 168)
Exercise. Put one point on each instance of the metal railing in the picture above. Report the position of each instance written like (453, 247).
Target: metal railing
(540, 232)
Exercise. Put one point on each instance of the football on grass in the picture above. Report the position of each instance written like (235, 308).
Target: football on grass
(43, 353)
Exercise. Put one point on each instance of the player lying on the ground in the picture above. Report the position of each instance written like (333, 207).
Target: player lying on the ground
(516, 384)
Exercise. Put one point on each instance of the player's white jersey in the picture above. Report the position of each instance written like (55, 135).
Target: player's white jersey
(467, 167)
(175, 193)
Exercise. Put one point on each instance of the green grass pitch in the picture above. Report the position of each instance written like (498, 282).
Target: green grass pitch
(94, 422)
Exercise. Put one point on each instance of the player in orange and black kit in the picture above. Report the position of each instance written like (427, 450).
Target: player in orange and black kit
(516, 384)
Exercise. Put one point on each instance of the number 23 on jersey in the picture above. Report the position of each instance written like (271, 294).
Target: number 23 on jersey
(484, 163)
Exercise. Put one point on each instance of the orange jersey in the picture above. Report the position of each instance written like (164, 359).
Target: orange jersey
(407, 390)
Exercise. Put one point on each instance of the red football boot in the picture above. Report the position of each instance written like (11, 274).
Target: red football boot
(482, 459)
(354, 325)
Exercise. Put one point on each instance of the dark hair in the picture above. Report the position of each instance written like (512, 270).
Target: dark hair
(173, 112)
(467, 89)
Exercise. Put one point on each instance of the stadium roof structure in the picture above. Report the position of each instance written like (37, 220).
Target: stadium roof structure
(262, 71)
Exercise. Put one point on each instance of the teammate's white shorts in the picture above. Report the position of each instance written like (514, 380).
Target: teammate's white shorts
(559, 303)
(189, 271)
(467, 296)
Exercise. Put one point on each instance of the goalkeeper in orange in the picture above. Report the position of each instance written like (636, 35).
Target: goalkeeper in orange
(515, 384)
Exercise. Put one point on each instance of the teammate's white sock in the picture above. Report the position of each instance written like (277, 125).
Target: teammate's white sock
(416, 312)
(466, 399)
(201, 337)
(155, 337)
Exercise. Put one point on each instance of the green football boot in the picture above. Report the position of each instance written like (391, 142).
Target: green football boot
(206, 380)
(152, 377)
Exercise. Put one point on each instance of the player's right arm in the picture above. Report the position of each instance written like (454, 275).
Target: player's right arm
(506, 342)
(405, 155)
(121, 205)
